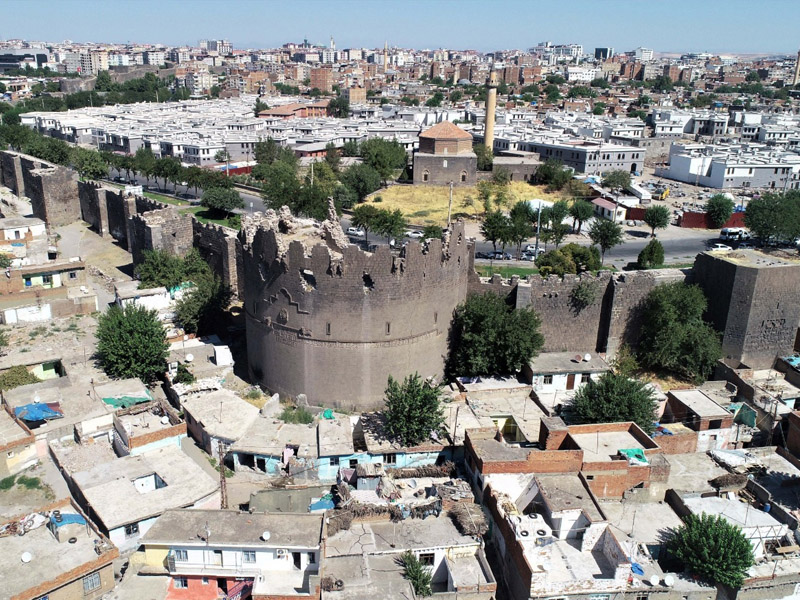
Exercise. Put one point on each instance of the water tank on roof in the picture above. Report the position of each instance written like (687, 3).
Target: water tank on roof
(266, 535)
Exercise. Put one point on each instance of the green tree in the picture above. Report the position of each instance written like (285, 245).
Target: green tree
(266, 151)
(456, 96)
(485, 157)
(222, 199)
(365, 216)
(599, 82)
(103, 82)
(339, 107)
(332, 157)
(145, 162)
(418, 574)
(413, 410)
(432, 232)
(159, 268)
(614, 399)
(201, 306)
(553, 174)
(167, 168)
(260, 107)
(435, 100)
(552, 93)
(605, 234)
(580, 211)
(89, 164)
(617, 180)
(656, 217)
(651, 255)
(385, 156)
(362, 179)
(390, 224)
(662, 83)
(131, 342)
(712, 548)
(753, 76)
(495, 228)
(775, 216)
(350, 148)
(490, 337)
(599, 108)
(521, 218)
(281, 185)
(719, 208)
(223, 156)
(674, 337)
(581, 91)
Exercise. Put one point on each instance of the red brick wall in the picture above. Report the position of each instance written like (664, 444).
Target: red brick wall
(513, 548)
(678, 444)
(196, 590)
(701, 220)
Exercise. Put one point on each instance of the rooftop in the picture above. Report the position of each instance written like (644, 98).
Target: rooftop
(113, 490)
(568, 492)
(699, 403)
(386, 537)
(287, 530)
(222, 414)
(568, 362)
(270, 436)
(335, 436)
(446, 131)
(50, 559)
(11, 432)
(753, 258)
(603, 446)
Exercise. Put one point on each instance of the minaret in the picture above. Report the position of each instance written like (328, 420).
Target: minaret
(333, 44)
(385, 56)
(491, 105)
(796, 78)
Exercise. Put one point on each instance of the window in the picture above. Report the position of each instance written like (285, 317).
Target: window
(715, 424)
(642, 596)
(548, 380)
(585, 377)
(131, 529)
(181, 583)
(181, 555)
(28, 282)
(425, 176)
(327, 329)
(353, 463)
(463, 176)
(91, 583)
(249, 556)
(590, 478)
(600, 597)
(10, 454)
(204, 581)
(312, 558)
(426, 559)
(388, 328)
(73, 275)
(390, 459)
(444, 164)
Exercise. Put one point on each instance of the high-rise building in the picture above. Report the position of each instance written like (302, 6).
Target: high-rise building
(603, 53)
(643, 54)
(322, 79)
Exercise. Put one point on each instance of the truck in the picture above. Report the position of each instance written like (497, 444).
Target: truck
(736, 234)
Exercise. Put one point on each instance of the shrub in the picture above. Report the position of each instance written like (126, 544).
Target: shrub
(184, 375)
(419, 575)
(298, 414)
(16, 376)
(651, 255)
(8, 482)
(584, 294)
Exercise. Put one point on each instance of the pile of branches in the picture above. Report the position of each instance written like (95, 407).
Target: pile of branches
(732, 481)
(342, 491)
(446, 469)
(469, 518)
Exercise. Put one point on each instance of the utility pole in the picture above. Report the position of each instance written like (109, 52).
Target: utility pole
(223, 488)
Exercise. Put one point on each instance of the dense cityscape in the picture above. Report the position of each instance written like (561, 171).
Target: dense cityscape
(347, 323)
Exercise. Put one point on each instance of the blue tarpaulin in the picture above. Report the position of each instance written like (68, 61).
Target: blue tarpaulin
(38, 412)
(66, 519)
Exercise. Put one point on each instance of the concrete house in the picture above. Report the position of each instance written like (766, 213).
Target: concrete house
(218, 417)
(17, 444)
(208, 553)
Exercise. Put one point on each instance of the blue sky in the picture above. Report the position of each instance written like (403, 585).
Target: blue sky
(745, 26)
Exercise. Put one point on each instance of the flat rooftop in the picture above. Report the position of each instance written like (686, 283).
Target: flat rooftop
(385, 537)
(691, 472)
(50, 559)
(567, 492)
(700, 403)
(367, 577)
(737, 513)
(568, 362)
(10, 430)
(567, 568)
(645, 522)
(112, 489)
(270, 436)
(753, 258)
(221, 413)
(287, 530)
(335, 436)
(603, 446)
(526, 413)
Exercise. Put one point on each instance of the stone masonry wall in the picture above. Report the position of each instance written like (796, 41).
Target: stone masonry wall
(107, 210)
(222, 250)
(164, 229)
(11, 173)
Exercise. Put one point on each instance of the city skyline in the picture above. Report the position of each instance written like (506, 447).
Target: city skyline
(621, 24)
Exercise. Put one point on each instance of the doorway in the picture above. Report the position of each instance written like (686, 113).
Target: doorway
(571, 381)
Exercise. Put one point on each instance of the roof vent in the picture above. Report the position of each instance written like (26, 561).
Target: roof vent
(587, 357)
(266, 535)
(26, 557)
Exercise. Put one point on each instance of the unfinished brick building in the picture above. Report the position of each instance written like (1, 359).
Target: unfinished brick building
(329, 320)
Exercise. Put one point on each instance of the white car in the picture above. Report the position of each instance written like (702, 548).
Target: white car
(417, 235)
(719, 247)
(355, 231)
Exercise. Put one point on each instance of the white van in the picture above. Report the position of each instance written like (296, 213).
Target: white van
(734, 234)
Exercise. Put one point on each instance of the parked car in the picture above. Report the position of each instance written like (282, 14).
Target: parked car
(528, 257)
(719, 247)
(531, 249)
(746, 245)
(355, 231)
(415, 234)
(484, 255)
(501, 255)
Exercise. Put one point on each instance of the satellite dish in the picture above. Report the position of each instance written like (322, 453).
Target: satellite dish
(669, 580)
(165, 420)
(189, 357)
(36, 398)
(266, 535)
(654, 580)
(26, 557)
(587, 357)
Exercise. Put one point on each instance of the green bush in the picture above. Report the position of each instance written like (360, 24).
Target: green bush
(8, 482)
(651, 255)
(584, 294)
(16, 376)
(29, 483)
(297, 414)
(184, 375)
(418, 574)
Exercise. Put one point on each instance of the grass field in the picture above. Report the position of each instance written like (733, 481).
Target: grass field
(427, 205)
(205, 215)
(505, 272)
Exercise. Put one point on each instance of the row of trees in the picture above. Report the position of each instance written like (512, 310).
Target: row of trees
(774, 216)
